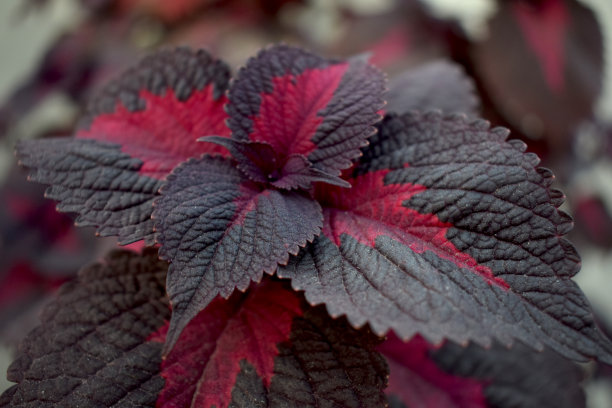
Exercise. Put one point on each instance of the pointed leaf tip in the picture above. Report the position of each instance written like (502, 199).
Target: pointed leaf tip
(220, 231)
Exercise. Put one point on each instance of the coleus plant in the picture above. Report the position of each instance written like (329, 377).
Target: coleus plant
(430, 228)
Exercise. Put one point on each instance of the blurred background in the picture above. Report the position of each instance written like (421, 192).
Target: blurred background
(542, 68)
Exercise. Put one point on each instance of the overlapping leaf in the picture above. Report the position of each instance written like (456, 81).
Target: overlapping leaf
(517, 377)
(451, 232)
(100, 345)
(262, 349)
(93, 347)
(296, 119)
(135, 132)
(220, 231)
(451, 376)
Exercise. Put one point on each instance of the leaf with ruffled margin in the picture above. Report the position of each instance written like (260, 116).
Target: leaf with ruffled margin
(266, 348)
(301, 103)
(95, 346)
(451, 232)
(134, 133)
(450, 376)
(436, 85)
(221, 231)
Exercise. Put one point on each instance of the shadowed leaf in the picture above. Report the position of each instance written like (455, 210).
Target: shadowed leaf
(92, 348)
(451, 376)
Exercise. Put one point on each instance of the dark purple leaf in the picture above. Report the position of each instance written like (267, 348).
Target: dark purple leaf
(265, 348)
(451, 232)
(221, 231)
(300, 103)
(94, 346)
(97, 181)
(259, 162)
(415, 380)
(518, 377)
(100, 346)
(142, 126)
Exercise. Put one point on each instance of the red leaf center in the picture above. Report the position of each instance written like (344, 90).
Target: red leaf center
(372, 208)
(163, 134)
(289, 116)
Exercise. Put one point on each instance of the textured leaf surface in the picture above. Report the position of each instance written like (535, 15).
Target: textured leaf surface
(221, 231)
(301, 103)
(422, 375)
(138, 129)
(91, 348)
(157, 110)
(436, 85)
(451, 232)
(262, 349)
(97, 181)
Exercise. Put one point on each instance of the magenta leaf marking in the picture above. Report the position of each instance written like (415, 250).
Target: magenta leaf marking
(136, 130)
(164, 133)
(373, 208)
(301, 103)
(203, 367)
(266, 347)
(296, 119)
